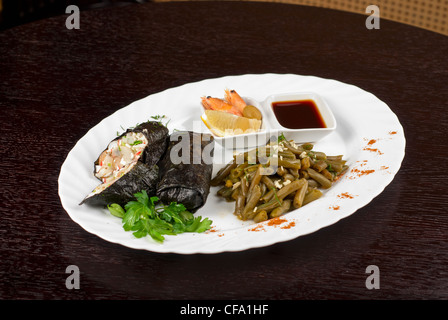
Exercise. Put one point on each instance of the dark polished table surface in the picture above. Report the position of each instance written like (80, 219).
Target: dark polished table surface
(56, 84)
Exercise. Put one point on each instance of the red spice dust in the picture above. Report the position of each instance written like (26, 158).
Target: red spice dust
(356, 172)
(212, 229)
(259, 227)
(393, 132)
(334, 207)
(359, 173)
(276, 221)
(345, 195)
(289, 225)
(370, 143)
(373, 150)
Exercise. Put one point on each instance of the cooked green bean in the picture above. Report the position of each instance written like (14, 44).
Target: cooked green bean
(304, 174)
(244, 186)
(327, 174)
(281, 171)
(267, 181)
(293, 186)
(238, 171)
(294, 172)
(222, 174)
(289, 177)
(268, 195)
(249, 176)
(324, 182)
(317, 155)
(296, 150)
(235, 193)
(312, 161)
(300, 194)
(251, 168)
(307, 146)
(335, 165)
(225, 192)
(272, 204)
(261, 216)
(256, 179)
(286, 154)
(281, 210)
(251, 202)
(287, 163)
(314, 194)
(312, 183)
(263, 188)
(334, 158)
(240, 202)
(319, 165)
(305, 163)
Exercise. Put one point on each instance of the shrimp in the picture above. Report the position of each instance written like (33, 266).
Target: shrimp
(211, 103)
(232, 97)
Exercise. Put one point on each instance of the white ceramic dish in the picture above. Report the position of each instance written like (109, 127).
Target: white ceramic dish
(248, 140)
(271, 128)
(300, 135)
(368, 134)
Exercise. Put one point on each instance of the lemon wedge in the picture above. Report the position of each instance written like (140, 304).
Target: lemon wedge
(224, 124)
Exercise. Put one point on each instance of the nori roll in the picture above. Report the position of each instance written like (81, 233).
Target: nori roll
(137, 177)
(186, 170)
(129, 164)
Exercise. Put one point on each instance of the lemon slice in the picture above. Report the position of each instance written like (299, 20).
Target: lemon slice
(224, 124)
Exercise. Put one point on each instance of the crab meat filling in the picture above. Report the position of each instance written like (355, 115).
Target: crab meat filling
(120, 156)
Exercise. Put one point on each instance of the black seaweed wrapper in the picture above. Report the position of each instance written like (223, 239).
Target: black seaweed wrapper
(144, 175)
(140, 177)
(187, 182)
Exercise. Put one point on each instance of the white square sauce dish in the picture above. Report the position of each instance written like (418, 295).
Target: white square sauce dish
(302, 117)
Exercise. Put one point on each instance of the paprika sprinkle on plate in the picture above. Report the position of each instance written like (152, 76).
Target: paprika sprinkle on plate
(345, 195)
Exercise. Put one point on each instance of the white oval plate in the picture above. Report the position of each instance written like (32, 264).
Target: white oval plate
(369, 135)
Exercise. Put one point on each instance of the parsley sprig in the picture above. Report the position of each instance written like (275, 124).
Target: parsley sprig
(147, 216)
(281, 137)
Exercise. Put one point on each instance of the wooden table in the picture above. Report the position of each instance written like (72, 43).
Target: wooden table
(55, 84)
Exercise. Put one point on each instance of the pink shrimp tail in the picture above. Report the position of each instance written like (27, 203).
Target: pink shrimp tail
(232, 97)
(217, 104)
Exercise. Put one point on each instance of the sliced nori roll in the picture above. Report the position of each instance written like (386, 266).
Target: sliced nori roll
(156, 135)
(129, 164)
(186, 170)
(138, 177)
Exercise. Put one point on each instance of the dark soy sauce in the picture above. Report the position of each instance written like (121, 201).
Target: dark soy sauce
(300, 114)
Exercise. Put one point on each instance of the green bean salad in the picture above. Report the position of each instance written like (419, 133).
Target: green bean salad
(274, 179)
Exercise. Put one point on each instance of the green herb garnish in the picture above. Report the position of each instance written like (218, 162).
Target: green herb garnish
(136, 142)
(276, 196)
(146, 216)
(281, 137)
(160, 119)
